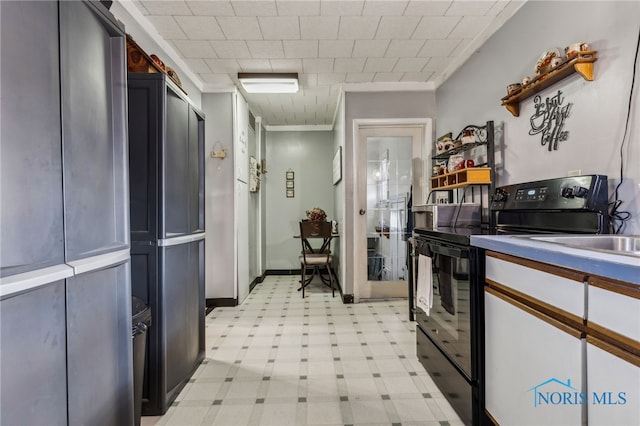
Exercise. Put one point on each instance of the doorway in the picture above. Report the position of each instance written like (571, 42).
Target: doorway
(389, 175)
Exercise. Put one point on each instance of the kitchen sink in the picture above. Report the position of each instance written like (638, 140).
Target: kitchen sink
(619, 244)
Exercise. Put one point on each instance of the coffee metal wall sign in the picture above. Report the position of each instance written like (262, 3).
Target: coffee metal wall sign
(548, 120)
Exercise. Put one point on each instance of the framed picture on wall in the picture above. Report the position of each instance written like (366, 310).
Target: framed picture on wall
(290, 193)
(289, 175)
(290, 184)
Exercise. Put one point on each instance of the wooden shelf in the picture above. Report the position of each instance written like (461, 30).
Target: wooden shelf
(461, 178)
(582, 64)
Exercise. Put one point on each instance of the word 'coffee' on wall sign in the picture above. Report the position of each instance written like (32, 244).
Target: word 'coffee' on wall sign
(548, 120)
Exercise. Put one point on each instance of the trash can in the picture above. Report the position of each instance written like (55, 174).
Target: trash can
(140, 321)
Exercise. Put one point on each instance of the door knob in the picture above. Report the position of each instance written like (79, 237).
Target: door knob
(362, 212)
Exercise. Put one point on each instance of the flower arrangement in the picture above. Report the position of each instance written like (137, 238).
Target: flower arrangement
(316, 214)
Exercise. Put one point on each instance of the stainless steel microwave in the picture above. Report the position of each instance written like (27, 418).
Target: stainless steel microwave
(446, 215)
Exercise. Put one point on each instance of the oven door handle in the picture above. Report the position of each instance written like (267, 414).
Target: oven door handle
(449, 251)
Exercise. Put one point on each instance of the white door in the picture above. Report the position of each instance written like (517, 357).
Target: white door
(389, 171)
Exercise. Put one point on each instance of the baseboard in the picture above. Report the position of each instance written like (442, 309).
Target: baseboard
(282, 272)
(256, 281)
(221, 301)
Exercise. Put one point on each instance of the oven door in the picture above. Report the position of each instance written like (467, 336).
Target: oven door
(449, 323)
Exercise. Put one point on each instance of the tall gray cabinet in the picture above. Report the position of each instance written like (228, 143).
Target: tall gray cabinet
(166, 145)
(65, 288)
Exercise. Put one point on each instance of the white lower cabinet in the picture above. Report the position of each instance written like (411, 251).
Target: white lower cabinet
(549, 362)
(533, 368)
(613, 385)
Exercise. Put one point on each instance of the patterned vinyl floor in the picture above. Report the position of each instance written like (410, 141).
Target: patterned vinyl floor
(279, 360)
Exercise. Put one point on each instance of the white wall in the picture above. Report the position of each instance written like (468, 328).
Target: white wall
(309, 155)
(339, 191)
(219, 197)
(596, 124)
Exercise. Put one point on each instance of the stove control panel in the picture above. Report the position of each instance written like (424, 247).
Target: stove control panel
(589, 192)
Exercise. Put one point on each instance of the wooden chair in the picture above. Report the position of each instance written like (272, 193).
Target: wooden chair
(315, 257)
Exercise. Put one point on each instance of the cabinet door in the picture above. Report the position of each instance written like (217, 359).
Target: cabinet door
(94, 136)
(176, 166)
(30, 162)
(613, 380)
(196, 171)
(33, 361)
(530, 364)
(183, 317)
(145, 135)
(100, 370)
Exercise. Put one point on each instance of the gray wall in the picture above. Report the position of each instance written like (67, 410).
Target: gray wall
(596, 124)
(372, 105)
(219, 197)
(309, 155)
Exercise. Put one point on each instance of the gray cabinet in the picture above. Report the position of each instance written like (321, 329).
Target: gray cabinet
(166, 163)
(65, 289)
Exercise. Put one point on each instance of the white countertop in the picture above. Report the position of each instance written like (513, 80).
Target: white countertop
(616, 266)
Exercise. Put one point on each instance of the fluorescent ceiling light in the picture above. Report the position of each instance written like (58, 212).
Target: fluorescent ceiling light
(269, 82)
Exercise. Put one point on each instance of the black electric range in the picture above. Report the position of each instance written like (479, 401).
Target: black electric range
(450, 336)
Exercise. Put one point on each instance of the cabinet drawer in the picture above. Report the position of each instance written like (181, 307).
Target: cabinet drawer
(614, 306)
(557, 287)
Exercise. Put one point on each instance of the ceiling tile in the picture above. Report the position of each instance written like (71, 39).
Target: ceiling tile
(211, 8)
(317, 65)
(380, 65)
(286, 65)
(341, 8)
(418, 76)
(319, 27)
(308, 81)
(427, 8)
(359, 77)
(298, 8)
(497, 8)
(437, 63)
(353, 65)
(266, 49)
(404, 48)
(370, 48)
(254, 8)
(435, 27)
(220, 79)
(438, 47)
(231, 49)
(240, 28)
(195, 48)
(167, 27)
(330, 78)
(358, 27)
(300, 48)
(200, 27)
(401, 27)
(384, 8)
(470, 26)
(254, 65)
(335, 48)
(167, 7)
(410, 64)
(461, 47)
(198, 66)
(229, 66)
(388, 76)
(280, 28)
(466, 8)
(141, 7)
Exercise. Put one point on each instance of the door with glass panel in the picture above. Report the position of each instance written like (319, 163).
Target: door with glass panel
(388, 177)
